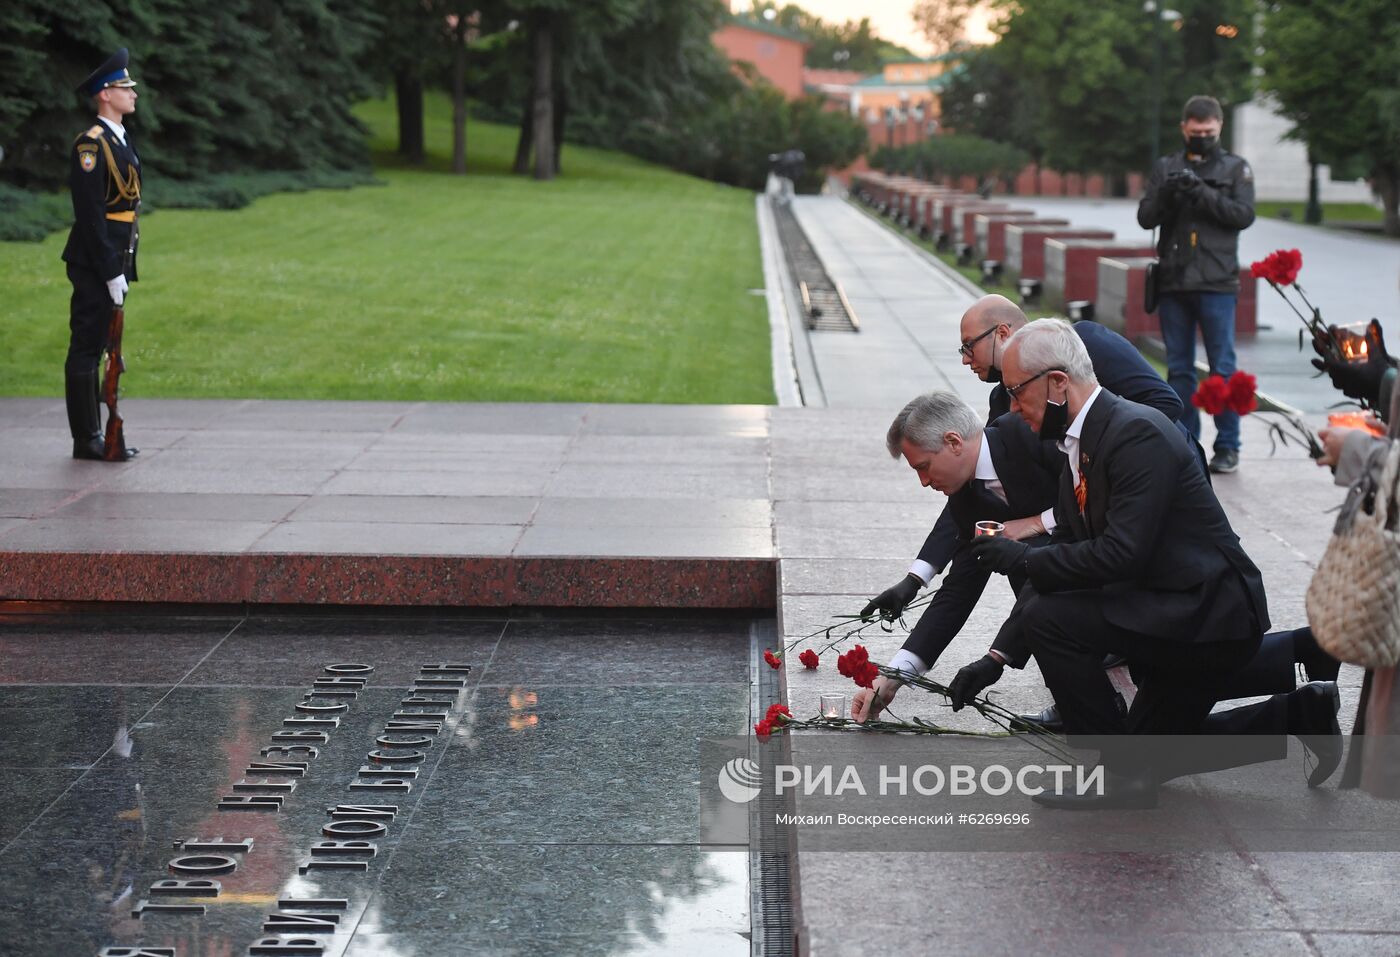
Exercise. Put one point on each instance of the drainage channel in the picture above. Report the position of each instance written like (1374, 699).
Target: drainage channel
(825, 307)
(772, 855)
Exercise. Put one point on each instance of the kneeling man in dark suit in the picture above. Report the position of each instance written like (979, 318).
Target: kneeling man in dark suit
(1144, 564)
(999, 473)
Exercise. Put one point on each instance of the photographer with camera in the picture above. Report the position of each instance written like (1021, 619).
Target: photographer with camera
(1201, 198)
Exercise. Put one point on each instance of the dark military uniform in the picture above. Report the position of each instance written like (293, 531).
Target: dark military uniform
(104, 176)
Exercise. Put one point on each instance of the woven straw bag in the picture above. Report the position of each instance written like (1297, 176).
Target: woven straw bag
(1354, 596)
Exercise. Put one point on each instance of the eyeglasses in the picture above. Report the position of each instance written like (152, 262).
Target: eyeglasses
(966, 348)
(1014, 390)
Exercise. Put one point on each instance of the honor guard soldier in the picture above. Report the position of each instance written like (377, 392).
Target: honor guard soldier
(104, 176)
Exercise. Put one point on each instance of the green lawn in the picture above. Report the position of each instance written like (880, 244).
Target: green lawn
(618, 282)
(1331, 212)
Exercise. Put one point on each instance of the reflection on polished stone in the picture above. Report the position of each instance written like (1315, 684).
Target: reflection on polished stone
(579, 764)
(69, 726)
(105, 651)
(542, 899)
(290, 652)
(616, 652)
(107, 781)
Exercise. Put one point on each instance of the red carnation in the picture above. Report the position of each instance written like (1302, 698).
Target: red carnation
(1280, 267)
(1241, 393)
(809, 658)
(776, 712)
(856, 665)
(773, 660)
(763, 729)
(1212, 395)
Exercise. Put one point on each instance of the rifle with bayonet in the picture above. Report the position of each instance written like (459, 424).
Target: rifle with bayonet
(114, 442)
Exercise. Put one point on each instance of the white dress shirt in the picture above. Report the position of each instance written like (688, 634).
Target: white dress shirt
(116, 128)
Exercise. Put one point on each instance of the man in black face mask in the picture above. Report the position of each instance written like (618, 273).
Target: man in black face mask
(1201, 198)
(984, 331)
(1143, 564)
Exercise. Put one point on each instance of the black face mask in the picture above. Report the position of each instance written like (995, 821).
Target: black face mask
(1201, 145)
(993, 370)
(1055, 422)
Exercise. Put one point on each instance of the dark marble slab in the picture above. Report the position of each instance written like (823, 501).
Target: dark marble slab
(198, 742)
(291, 652)
(533, 899)
(73, 898)
(604, 651)
(69, 726)
(583, 764)
(26, 792)
(136, 650)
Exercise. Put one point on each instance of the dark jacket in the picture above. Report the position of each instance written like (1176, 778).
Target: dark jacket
(1154, 539)
(97, 240)
(1199, 244)
(1029, 473)
(1120, 369)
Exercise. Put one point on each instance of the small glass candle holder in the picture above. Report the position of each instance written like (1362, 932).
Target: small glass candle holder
(989, 529)
(1351, 342)
(833, 706)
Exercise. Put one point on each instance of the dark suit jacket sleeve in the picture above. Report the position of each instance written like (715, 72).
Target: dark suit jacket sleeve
(950, 607)
(942, 541)
(1140, 498)
(1122, 370)
(89, 188)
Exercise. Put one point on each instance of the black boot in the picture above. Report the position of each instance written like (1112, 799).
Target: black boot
(1312, 717)
(83, 418)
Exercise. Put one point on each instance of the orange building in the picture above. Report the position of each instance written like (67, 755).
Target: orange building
(775, 53)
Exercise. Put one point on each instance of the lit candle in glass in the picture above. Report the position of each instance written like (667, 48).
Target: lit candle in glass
(1351, 342)
(1355, 420)
(991, 529)
(833, 706)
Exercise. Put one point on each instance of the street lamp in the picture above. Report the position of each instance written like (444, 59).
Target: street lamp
(1149, 7)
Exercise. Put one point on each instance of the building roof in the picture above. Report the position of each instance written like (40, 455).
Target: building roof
(878, 80)
(760, 25)
(814, 77)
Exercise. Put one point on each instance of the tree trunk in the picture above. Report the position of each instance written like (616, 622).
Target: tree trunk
(526, 138)
(544, 99)
(459, 96)
(561, 109)
(1387, 186)
(408, 94)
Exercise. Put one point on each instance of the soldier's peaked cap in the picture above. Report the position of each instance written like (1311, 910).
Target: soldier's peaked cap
(111, 73)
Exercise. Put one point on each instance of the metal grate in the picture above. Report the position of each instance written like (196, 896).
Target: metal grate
(824, 304)
(771, 853)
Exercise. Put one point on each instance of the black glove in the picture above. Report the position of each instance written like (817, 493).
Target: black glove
(971, 680)
(893, 600)
(1356, 380)
(999, 554)
(1185, 182)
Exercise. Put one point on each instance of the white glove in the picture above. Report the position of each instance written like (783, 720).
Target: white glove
(117, 288)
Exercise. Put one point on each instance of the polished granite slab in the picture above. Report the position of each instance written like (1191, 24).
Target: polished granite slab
(394, 504)
(555, 811)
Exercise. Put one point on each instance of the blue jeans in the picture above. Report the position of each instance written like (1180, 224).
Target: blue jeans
(1214, 313)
